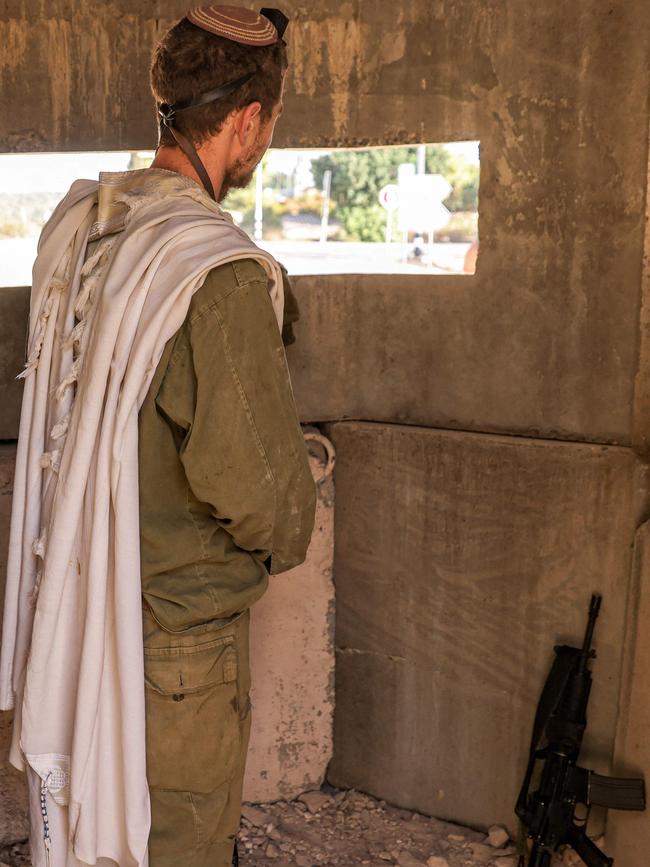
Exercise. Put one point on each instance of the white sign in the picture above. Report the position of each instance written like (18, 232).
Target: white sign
(389, 197)
(420, 202)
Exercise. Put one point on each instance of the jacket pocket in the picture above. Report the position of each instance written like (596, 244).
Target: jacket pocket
(192, 714)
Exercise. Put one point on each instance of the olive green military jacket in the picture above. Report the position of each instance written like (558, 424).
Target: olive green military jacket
(226, 492)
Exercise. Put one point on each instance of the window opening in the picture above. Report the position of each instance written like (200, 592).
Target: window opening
(390, 210)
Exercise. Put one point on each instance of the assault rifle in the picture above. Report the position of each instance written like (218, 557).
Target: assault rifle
(549, 814)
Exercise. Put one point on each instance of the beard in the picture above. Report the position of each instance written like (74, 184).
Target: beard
(240, 173)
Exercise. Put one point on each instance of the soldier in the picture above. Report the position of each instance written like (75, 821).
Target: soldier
(161, 475)
(217, 77)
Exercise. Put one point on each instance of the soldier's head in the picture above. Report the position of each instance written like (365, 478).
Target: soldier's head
(240, 56)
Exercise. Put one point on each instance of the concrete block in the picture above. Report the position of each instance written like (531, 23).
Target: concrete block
(628, 834)
(460, 560)
(543, 341)
(292, 661)
(13, 792)
(14, 316)
(7, 465)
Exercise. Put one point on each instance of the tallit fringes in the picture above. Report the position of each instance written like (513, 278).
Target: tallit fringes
(85, 297)
(68, 380)
(89, 280)
(32, 596)
(52, 460)
(93, 260)
(75, 335)
(39, 337)
(39, 545)
(30, 367)
(60, 429)
(57, 285)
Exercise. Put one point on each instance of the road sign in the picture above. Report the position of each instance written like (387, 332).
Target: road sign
(420, 202)
(389, 197)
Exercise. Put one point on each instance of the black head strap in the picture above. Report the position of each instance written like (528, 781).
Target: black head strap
(167, 114)
(209, 95)
(278, 19)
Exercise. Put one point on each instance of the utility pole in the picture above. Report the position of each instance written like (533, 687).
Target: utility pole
(259, 203)
(422, 159)
(325, 218)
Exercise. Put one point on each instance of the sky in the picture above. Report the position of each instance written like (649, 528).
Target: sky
(53, 173)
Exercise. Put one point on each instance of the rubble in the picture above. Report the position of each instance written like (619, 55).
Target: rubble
(497, 836)
(347, 828)
(15, 854)
(314, 800)
(337, 828)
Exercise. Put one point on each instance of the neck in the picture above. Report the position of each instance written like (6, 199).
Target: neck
(174, 160)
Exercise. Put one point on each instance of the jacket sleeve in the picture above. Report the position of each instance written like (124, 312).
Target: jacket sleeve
(244, 452)
(291, 309)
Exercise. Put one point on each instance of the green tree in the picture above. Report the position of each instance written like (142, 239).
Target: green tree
(463, 177)
(140, 160)
(358, 176)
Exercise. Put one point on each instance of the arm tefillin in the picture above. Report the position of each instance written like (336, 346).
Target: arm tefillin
(549, 813)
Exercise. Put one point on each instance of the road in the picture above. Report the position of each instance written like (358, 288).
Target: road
(299, 257)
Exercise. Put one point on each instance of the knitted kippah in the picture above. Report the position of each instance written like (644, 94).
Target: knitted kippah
(235, 23)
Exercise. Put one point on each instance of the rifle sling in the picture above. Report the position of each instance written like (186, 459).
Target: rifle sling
(563, 666)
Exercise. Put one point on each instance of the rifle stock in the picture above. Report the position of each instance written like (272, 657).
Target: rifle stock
(587, 849)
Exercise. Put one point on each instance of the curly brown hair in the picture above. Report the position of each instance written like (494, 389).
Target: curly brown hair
(189, 61)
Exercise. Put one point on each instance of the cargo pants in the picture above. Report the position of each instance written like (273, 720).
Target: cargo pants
(198, 718)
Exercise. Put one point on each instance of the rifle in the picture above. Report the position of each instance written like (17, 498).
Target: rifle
(548, 814)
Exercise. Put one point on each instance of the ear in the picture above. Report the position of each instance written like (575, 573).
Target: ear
(246, 122)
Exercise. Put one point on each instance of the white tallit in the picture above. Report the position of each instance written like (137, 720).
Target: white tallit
(72, 660)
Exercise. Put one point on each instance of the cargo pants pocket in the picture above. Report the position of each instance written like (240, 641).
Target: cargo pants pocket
(193, 718)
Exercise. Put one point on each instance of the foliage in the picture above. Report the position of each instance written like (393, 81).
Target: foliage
(272, 221)
(240, 204)
(23, 214)
(140, 160)
(309, 202)
(241, 200)
(13, 229)
(362, 224)
(462, 227)
(358, 176)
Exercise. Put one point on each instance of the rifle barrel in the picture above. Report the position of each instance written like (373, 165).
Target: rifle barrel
(594, 610)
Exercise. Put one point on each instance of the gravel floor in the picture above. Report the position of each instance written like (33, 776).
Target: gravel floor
(333, 827)
(347, 828)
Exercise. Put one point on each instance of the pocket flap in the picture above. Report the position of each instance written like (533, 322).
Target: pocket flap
(187, 669)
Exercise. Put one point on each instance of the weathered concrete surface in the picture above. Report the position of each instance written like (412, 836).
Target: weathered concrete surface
(460, 560)
(14, 315)
(13, 792)
(435, 531)
(544, 339)
(7, 462)
(628, 834)
(439, 352)
(641, 424)
(292, 660)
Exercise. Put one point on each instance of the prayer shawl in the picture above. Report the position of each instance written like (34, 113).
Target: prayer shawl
(118, 263)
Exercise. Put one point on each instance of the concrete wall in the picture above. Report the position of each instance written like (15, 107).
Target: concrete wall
(13, 792)
(544, 340)
(549, 340)
(14, 313)
(457, 557)
(292, 659)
